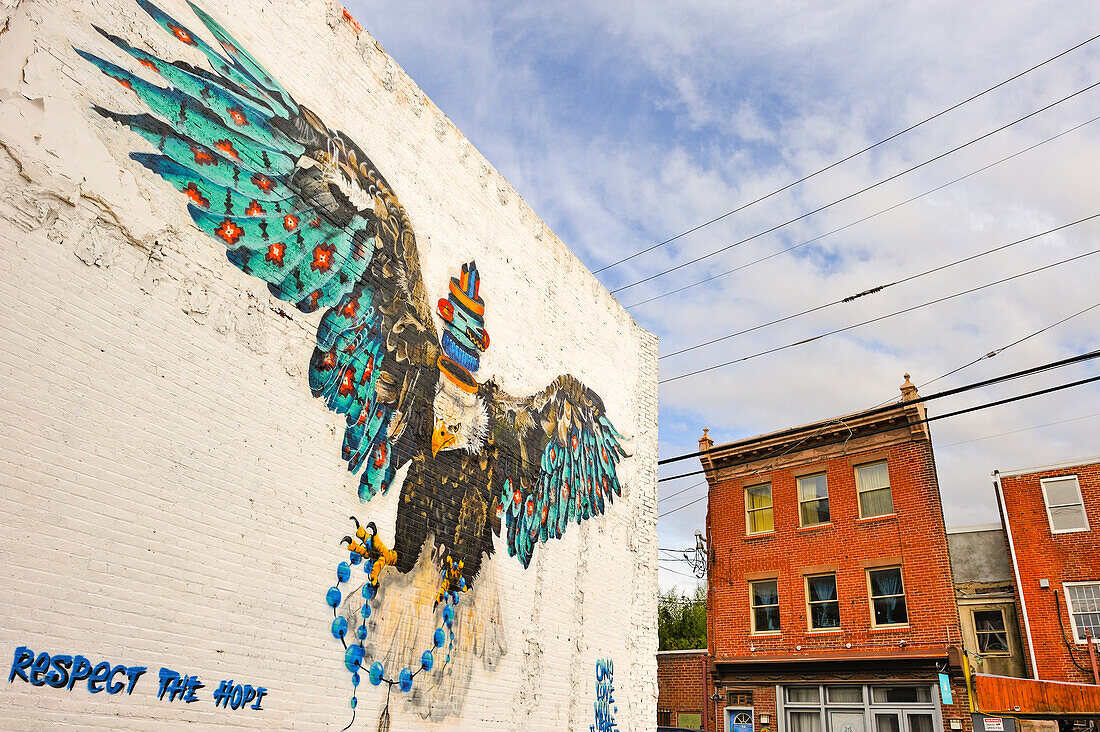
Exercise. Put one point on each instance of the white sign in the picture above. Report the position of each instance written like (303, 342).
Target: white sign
(994, 724)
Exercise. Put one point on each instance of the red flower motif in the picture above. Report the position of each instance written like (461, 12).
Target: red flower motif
(192, 191)
(315, 224)
(517, 497)
(238, 116)
(573, 440)
(347, 386)
(553, 455)
(348, 311)
(313, 298)
(368, 369)
(322, 258)
(125, 82)
(262, 182)
(181, 34)
(229, 232)
(380, 456)
(148, 64)
(254, 209)
(530, 507)
(329, 360)
(227, 147)
(275, 254)
(202, 155)
(290, 222)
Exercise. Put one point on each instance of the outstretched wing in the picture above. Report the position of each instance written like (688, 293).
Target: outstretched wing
(302, 208)
(554, 459)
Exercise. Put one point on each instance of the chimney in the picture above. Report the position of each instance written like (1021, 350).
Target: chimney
(705, 443)
(908, 390)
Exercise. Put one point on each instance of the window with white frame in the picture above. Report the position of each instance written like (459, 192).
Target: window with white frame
(1065, 508)
(887, 596)
(821, 601)
(1083, 602)
(873, 486)
(813, 500)
(765, 605)
(758, 509)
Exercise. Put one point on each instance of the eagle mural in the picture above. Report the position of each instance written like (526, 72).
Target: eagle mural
(301, 207)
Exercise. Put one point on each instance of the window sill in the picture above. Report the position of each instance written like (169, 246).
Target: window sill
(815, 527)
(760, 535)
(824, 631)
(883, 517)
(1059, 532)
(889, 628)
(766, 634)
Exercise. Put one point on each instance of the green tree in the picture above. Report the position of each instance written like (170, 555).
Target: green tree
(682, 620)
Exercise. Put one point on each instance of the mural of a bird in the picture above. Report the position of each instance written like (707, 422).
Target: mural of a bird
(301, 207)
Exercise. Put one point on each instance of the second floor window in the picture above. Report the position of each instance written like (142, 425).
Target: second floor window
(989, 627)
(873, 484)
(887, 596)
(1083, 599)
(821, 599)
(758, 509)
(765, 606)
(1065, 508)
(813, 500)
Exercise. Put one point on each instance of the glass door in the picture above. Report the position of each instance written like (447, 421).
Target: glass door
(739, 720)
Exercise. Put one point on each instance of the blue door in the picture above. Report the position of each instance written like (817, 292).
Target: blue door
(739, 720)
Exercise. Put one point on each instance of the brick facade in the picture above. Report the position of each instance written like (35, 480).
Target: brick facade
(173, 495)
(1058, 558)
(683, 684)
(911, 536)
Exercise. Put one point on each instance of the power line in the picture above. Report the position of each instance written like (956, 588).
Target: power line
(880, 288)
(845, 159)
(876, 319)
(685, 490)
(819, 237)
(1030, 371)
(956, 413)
(1024, 429)
(855, 193)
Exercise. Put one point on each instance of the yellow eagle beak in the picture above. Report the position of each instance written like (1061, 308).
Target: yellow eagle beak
(441, 437)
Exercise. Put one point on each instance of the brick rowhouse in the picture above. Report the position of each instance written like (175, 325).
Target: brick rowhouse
(1052, 522)
(830, 602)
(683, 687)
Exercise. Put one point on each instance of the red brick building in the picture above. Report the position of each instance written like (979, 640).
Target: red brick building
(831, 606)
(1051, 516)
(683, 690)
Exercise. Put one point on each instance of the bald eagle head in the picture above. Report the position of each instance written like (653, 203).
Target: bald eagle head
(461, 417)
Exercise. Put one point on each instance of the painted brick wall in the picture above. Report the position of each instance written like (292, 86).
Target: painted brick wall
(682, 682)
(1066, 557)
(913, 537)
(173, 496)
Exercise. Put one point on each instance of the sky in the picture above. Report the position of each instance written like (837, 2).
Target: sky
(625, 124)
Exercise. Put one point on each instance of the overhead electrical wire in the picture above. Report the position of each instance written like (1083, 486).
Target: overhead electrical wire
(819, 209)
(1023, 429)
(685, 490)
(879, 288)
(848, 157)
(1030, 371)
(826, 334)
(819, 237)
(956, 413)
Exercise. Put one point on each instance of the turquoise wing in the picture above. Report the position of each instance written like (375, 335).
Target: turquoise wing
(556, 455)
(265, 179)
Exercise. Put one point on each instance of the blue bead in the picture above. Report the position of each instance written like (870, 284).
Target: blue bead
(448, 615)
(355, 558)
(405, 680)
(354, 701)
(368, 591)
(355, 680)
(365, 610)
(333, 596)
(361, 632)
(368, 566)
(438, 638)
(462, 583)
(353, 657)
(343, 571)
(426, 660)
(376, 673)
(339, 627)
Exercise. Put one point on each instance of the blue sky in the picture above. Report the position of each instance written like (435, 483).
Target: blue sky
(623, 124)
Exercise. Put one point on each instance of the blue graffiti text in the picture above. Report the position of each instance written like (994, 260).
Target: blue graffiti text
(236, 696)
(63, 671)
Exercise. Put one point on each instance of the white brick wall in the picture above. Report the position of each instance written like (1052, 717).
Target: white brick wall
(173, 496)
